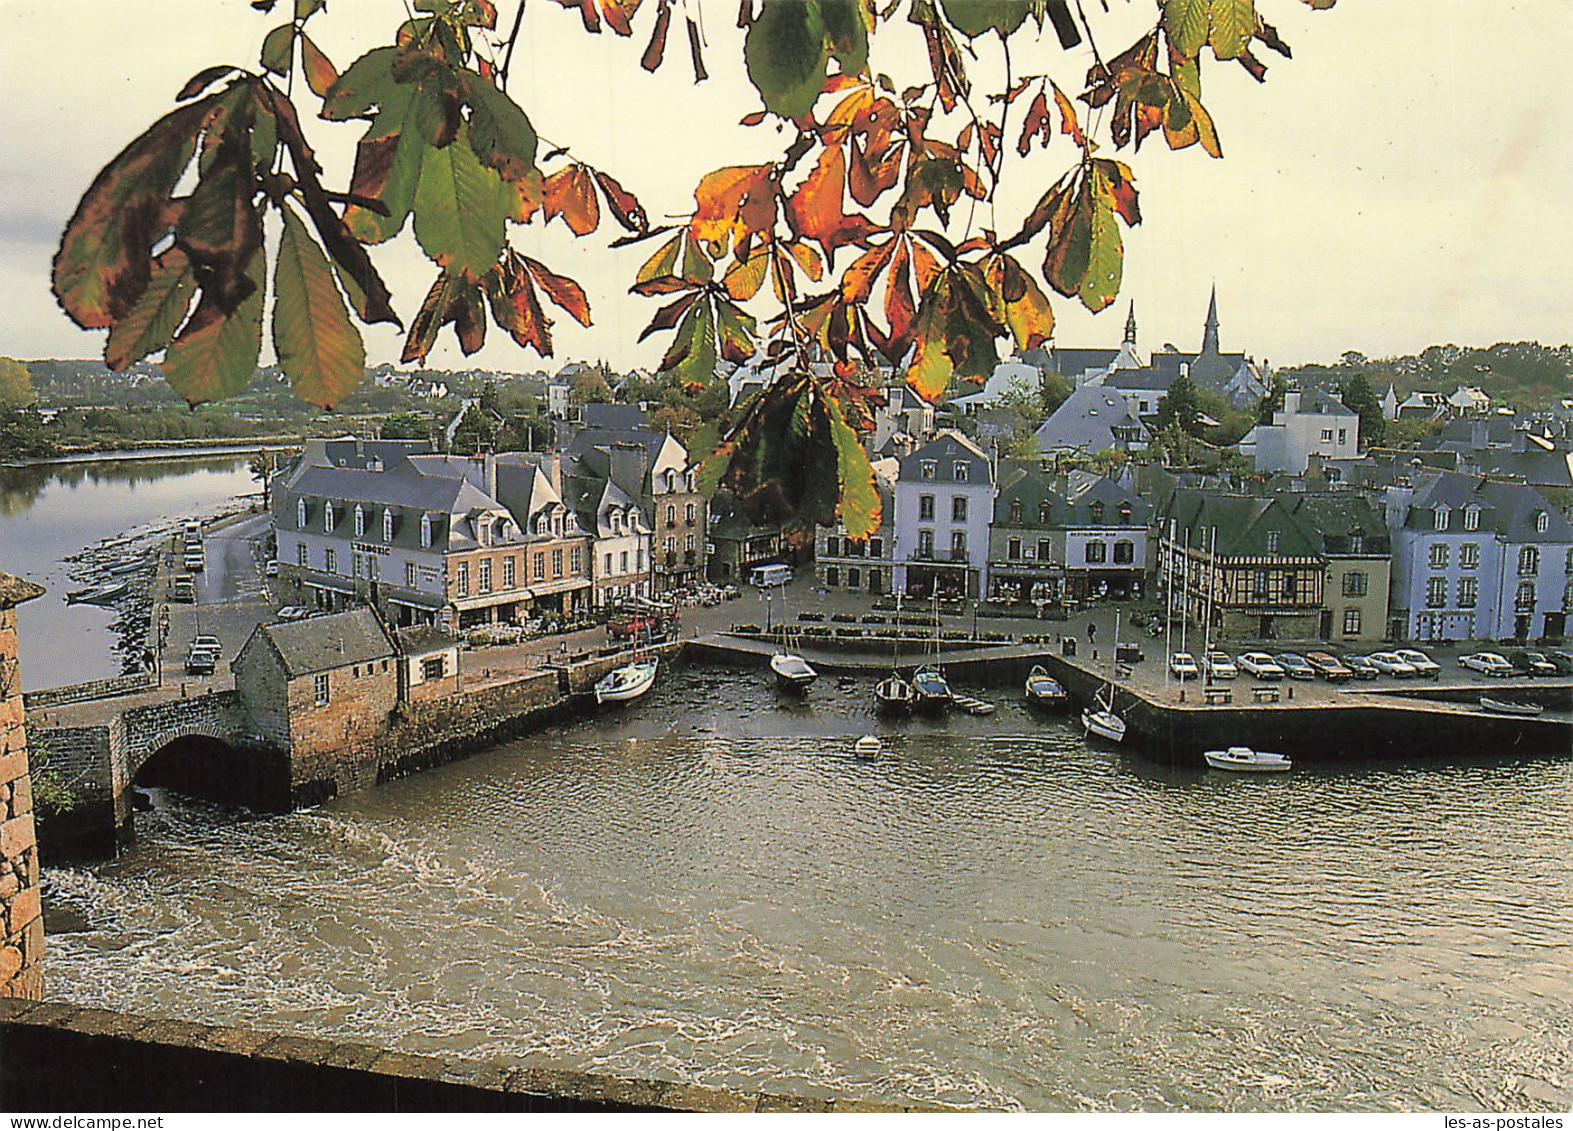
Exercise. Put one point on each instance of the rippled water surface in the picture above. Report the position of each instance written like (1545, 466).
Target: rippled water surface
(709, 887)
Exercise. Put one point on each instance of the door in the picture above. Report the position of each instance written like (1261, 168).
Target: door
(1325, 630)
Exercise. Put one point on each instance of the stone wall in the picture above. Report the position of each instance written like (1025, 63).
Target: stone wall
(21, 915)
(335, 747)
(85, 761)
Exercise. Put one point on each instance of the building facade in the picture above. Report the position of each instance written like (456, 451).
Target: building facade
(943, 507)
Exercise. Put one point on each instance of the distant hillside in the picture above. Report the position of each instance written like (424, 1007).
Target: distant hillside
(1525, 375)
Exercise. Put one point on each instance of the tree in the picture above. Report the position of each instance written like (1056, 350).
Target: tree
(589, 386)
(167, 252)
(1358, 396)
(404, 426)
(1273, 400)
(1180, 406)
(1036, 402)
(16, 384)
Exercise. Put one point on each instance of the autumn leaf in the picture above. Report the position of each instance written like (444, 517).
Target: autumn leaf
(563, 291)
(570, 193)
(319, 71)
(500, 132)
(150, 324)
(515, 307)
(734, 203)
(215, 354)
(1037, 124)
(459, 211)
(860, 507)
(318, 346)
(815, 210)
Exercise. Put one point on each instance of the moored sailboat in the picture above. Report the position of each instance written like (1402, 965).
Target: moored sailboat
(620, 685)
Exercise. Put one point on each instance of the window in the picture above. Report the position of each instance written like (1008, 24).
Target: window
(433, 668)
(1542, 522)
(1529, 560)
(1327, 435)
(486, 576)
(926, 469)
(509, 578)
(1045, 550)
(639, 559)
(925, 543)
(1471, 518)
(330, 560)
(1259, 583)
(671, 514)
(1469, 555)
(1272, 541)
(958, 544)
(622, 562)
(1096, 510)
(876, 547)
(1439, 555)
(1351, 622)
(1343, 435)
(959, 471)
(557, 561)
(425, 531)
(327, 518)
(302, 555)
(1524, 602)
(1468, 592)
(410, 575)
(300, 514)
(387, 526)
(925, 508)
(873, 581)
(689, 514)
(1045, 513)
(1436, 593)
(1356, 583)
(1357, 543)
(1015, 510)
(1096, 551)
(1013, 549)
(575, 561)
(462, 581)
(538, 566)
(958, 508)
(320, 686)
(606, 566)
(1124, 552)
(1439, 517)
(360, 521)
(1125, 514)
(832, 576)
(355, 563)
(854, 578)
(688, 544)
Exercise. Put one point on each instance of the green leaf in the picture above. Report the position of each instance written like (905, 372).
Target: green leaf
(1233, 27)
(786, 56)
(1105, 258)
(691, 357)
(318, 346)
(500, 133)
(216, 353)
(1186, 23)
(460, 211)
(105, 255)
(860, 506)
(219, 227)
(278, 49)
(846, 34)
(388, 167)
(367, 83)
(974, 17)
(151, 323)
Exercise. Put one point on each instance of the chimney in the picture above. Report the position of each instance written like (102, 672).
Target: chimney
(489, 473)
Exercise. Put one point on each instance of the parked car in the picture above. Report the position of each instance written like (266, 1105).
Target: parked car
(1532, 663)
(1562, 661)
(1329, 667)
(1487, 663)
(1218, 665)
(1260, 665)
(195, 562)
(294, 612)
(1183, 666)
(1424, 665)
(1389, 663)
(271, 569)
(1361, 667)
(199, 661)
(207, 644)
(1295, 665)
(183, 589)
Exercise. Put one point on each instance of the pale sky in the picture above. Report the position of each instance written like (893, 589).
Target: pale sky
(1401, 182)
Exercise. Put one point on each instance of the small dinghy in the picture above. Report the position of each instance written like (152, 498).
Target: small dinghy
(793, 673)
(1503, 707)
(894, 695)
(866, 747)
(1043, 690)
(931, 688)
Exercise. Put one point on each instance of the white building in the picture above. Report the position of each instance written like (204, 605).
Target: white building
(1307, 425)
(944, 504)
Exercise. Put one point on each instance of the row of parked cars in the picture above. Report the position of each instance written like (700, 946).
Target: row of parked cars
(1402, 663)
(1522, 662)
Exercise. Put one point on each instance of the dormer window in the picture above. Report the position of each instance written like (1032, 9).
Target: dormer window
(387, 526)
(425, 531)
(1096, 510)
(1471, 518)
(1044, 512)
(327, 518)
(300, 514)
(1272, 541)
(360, 521)
(927, 469)
(1125, 514)
(958, 471)
(1015, 510)
(1439, 517)
(1542, 522)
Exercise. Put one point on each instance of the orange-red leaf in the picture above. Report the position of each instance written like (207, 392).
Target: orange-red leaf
(734, 202)
(625, 207)
(1038, 124)
(570, 193)
(1069, 124)
(562, 290)
(816, 208)
(320, 73)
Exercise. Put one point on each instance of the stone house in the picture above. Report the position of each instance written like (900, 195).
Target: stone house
(843, 564)
(21, 912)
(1309, 425)
(1358, 550)
(428, 664)
(323, 689)
(943, 507)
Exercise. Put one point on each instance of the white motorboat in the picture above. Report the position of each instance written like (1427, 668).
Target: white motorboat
(1503, 707)
(1043, 690)
(792, 671)
(627, 682)
(1245, 760)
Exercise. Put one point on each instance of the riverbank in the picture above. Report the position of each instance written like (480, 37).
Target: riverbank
(160, 449)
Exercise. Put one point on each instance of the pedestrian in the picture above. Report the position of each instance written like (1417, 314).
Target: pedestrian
(1092, 632)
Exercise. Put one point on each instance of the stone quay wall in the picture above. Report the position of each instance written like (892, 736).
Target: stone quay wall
(21, 913)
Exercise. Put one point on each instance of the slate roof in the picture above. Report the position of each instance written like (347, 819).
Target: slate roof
(614, 416)
(1243, 523)
(329, 642)
(423, 639)
(1336, 517)
(945, 449)
(1146, 378)
(1086, 421)
(1507, 509)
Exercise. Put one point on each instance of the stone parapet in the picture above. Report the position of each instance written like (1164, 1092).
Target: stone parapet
(145, 1064)
(21, 918)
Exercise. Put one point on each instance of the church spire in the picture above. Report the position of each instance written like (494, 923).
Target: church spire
(1130, 325)
(1210, 334)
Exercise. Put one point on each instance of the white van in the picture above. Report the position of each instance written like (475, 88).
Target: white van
(766, 576)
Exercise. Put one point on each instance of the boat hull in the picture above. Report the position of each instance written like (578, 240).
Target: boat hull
(626, 683)
(1501, 707)
(894, 696)
(930, 691)
(1104, 725)
(1248, 761)
(793, 673)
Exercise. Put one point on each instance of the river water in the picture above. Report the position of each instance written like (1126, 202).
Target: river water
(709, 887)
(52, 513)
